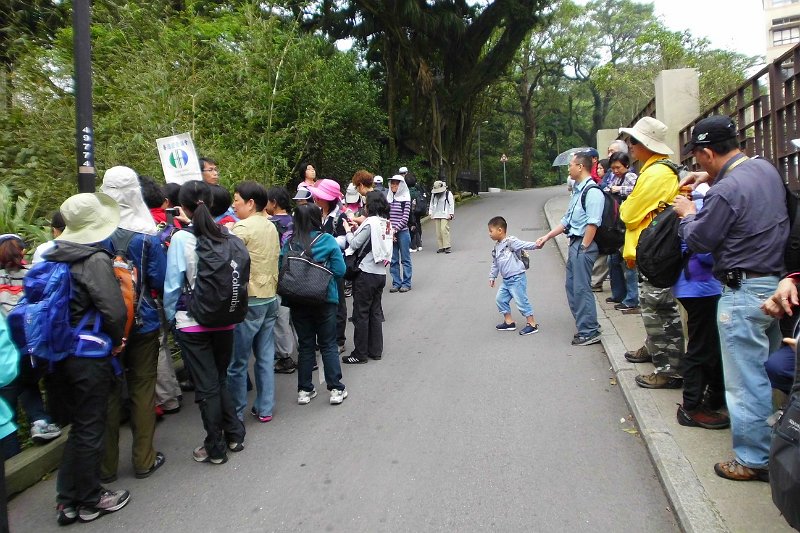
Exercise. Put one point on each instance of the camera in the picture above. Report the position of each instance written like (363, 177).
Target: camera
(171, 211)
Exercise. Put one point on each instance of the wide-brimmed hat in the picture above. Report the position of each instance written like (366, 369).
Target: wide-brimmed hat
(713, 129)
(302, 194)
(326, 190)
(439, 186)
(90, 217)
(351, 195)
(651, 133)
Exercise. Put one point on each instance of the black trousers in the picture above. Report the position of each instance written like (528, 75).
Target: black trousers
(416, 235)
(701, 367)
(89, 383)
(341, 313)
(209, 354)
(368, 315)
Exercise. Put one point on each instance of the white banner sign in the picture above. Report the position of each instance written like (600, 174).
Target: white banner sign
(179, 159)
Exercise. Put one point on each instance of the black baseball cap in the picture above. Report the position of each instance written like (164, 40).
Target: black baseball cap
(711, 130)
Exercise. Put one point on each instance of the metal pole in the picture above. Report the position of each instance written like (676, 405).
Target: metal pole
(505, 186)
(480, 177)
(84, 130)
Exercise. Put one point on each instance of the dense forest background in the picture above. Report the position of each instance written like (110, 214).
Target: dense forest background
(346, 84)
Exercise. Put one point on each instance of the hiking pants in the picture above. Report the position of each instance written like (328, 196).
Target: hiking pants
(663, 326)
(139, 362)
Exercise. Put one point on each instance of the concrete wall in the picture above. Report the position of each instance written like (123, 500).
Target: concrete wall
(677, 102)
(604, 138)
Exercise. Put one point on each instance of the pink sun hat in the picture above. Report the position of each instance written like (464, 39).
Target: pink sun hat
(326, 190)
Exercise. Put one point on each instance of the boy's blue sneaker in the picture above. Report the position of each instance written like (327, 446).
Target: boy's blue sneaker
(502, 326)
(529, 330)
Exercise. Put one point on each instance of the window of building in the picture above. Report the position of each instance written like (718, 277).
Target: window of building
(778, 3)
(786, 36)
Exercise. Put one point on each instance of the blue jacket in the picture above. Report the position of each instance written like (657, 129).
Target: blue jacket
(697, 279)
(326, 250)
(9, 366)
(151, 275)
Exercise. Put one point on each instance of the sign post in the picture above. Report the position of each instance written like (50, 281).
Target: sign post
(179, 158)
(504, 160)
(84, 131)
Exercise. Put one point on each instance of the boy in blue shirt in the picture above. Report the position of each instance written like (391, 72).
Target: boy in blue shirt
(507, 263)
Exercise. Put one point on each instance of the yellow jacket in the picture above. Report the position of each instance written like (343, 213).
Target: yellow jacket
(656, 188)
(263, 243)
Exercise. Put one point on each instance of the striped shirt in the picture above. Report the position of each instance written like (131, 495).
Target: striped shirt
(398, 215)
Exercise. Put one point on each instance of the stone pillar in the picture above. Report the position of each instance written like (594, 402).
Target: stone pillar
(604, 138)
(677, 102)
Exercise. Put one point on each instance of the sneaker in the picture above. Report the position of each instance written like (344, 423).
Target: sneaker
(529, 330)
(586, 340)
(639, 356)
(262, 419)
(702, 417)
(736, 471)
(447, 250)
(67, 514)
(110, 501)
(158, 463)
(353, 360)
(405, 289)
(304, 397)
(285, 365)
(632, 310)
(659, 381)
(413, 250)
(394, 289)
(41, 431)
(713, 400)
(611, 300)
(338, 396)
(597, 288)
(235, 446)
(201, 456)
(440, 250)
(505, 326)
(419, 248)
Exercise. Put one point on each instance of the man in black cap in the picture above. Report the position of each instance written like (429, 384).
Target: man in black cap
(744, 224)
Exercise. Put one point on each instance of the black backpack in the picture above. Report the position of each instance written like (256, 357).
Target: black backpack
(658, 254)
(791, 255)
(784, 457)
(219, 297)
(610, 234)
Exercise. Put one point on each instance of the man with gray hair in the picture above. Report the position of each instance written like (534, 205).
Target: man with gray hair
(617, 145)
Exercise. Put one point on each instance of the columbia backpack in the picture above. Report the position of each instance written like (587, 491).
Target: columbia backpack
(40, 322)
(784, 457)
(219, 296)
(610, 235)
(658, 255)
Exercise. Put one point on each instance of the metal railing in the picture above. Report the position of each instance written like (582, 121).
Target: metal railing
(766, 109)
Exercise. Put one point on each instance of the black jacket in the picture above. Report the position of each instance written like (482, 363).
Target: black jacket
(94, 286)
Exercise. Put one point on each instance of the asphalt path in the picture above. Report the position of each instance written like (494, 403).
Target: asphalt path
(458, 428)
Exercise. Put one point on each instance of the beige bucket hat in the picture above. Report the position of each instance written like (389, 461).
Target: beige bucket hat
(90, 218)
(438, 186)
(651, 133)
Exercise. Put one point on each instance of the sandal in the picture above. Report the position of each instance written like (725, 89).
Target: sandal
(353, 360)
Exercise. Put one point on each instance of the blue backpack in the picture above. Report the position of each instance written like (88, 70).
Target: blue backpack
(40, 322)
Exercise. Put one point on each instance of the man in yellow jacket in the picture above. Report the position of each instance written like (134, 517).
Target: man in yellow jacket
(656, 188)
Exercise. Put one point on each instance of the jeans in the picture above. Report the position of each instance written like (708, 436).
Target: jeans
(140, 362)
(401, 253)
(701, 367)
(89, 380)
(25, 389)
(619, 289)
(316, 325)
(579, 290)
(368, 315)
(631, 285)
(747, 337)
(254, 335)
(209, 354)
(515, 287)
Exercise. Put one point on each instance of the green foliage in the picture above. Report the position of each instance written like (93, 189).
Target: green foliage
(17, 216)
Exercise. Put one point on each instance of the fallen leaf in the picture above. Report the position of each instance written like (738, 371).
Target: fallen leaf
(612, 381)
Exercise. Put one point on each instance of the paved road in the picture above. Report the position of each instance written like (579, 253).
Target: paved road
(458, 428)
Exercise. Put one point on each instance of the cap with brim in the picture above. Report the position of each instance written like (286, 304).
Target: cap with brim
(438, 186)
(351, 195)
(402, 170)
(13, 236)
(89, 218)
(397, 177)
(710, 130)
(302, 194)
(377, 179)
(651, 133)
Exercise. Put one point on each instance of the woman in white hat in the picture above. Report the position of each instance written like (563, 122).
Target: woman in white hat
(442, 211)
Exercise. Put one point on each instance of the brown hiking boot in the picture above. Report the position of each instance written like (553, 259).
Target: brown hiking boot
(639, 356)
(702, 417)
(736, 471)
(659, 381)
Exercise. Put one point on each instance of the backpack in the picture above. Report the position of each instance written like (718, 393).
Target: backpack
(420, 206)
(282, 228)
(658, 255)
(784, 457)
(791, 254)
(219, 296)
(301, 280)
(610, 234)
(128, 276)
(40, 322)
(165, 232)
